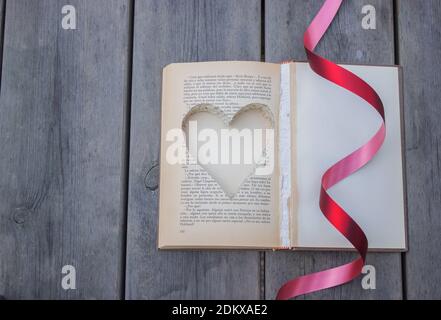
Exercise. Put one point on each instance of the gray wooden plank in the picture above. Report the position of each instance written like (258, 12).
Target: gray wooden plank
(346, 41)
(419, 32)
(61, 130)
(2, 16)
(179, 31)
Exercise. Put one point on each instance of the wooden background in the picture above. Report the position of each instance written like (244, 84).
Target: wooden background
(79, 143)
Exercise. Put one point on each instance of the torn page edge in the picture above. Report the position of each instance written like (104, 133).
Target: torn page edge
(285, 154)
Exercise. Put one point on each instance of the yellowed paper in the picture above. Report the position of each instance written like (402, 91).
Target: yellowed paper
(195, 211)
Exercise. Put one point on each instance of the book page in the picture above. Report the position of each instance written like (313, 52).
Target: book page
(287, 151)
(216, 205)
(331, 123)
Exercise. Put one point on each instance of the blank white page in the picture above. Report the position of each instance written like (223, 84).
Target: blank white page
(331, 123)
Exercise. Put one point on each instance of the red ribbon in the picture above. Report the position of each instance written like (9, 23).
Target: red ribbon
(335, 214)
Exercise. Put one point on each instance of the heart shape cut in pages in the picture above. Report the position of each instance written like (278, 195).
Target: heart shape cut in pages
(230, 149)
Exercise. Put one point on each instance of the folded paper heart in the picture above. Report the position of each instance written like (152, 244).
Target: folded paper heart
(230, 149)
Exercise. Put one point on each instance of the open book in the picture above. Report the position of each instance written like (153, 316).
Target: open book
(244, 146)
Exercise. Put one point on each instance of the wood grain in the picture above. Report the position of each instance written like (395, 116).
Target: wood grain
(346, 41)
(63, 97)
(179, 31)
(2, 20)
(419, 33)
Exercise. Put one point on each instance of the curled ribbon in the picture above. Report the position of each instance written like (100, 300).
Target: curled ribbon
(345, 167)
